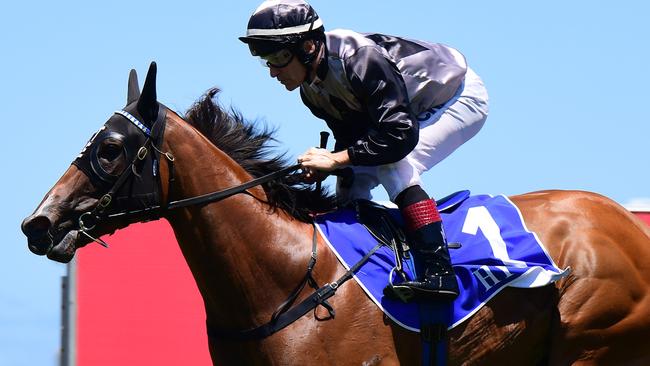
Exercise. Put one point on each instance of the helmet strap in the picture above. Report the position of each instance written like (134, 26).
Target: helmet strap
(309, 59)
(304, 57)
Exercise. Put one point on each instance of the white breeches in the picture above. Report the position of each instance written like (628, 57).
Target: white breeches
(442, 131)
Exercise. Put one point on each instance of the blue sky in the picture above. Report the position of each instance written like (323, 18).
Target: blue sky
(568, 82)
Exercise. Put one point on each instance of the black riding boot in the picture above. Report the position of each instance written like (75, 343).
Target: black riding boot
(435, 276)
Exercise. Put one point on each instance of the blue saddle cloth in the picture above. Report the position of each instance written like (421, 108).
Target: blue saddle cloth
(497, 251)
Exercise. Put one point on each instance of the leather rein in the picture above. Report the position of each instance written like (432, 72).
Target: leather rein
(286, 313)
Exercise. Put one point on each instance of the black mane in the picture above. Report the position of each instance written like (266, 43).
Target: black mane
(249, 147)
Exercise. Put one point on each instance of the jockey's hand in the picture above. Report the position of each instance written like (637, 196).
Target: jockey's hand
(323, 160)
(311, 176)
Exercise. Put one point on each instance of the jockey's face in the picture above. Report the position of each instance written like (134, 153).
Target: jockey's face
(291, 75)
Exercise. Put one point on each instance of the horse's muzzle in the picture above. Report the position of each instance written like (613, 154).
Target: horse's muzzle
(36, 228)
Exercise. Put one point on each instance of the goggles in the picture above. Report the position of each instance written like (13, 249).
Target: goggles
(278, 59)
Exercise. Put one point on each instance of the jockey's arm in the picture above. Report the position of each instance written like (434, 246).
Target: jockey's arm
(378, 84)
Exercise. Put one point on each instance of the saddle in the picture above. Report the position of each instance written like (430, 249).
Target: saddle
(380, 223)
(384, 225)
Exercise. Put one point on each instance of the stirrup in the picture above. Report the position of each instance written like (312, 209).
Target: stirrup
(402, 293)
(406, 291)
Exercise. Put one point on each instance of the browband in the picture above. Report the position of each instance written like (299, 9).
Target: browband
(135, 121)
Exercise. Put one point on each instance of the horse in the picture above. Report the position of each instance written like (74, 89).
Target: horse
(249, 250)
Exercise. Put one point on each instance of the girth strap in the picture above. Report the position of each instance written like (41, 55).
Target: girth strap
(282, 320)
(307, 279)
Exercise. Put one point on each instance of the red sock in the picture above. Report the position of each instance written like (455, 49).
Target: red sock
(419, 214)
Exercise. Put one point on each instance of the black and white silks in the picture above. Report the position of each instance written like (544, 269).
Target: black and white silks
(373, 86)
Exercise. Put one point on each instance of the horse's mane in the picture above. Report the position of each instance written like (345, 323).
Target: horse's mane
(249, 147)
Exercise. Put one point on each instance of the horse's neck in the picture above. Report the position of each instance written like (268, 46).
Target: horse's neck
(244, 257)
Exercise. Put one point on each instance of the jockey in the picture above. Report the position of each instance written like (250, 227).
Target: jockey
(396, 108)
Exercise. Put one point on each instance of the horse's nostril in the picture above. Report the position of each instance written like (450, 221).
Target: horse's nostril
(36, 227)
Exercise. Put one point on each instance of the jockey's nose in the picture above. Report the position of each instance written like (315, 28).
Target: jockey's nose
(36, 228)
(274, 71)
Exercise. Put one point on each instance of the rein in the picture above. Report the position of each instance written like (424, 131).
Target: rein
(209, 197)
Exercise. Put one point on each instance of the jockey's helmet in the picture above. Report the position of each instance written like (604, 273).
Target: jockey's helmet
(279, 25)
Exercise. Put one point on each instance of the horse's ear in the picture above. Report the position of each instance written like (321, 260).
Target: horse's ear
(134, 89)
(147, 104)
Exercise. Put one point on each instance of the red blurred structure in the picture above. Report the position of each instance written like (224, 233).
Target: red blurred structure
(136, 303)
(644, 215)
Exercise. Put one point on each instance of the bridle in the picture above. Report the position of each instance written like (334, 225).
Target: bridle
(90, 219)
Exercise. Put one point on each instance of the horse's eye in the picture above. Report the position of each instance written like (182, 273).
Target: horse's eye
(109, 151)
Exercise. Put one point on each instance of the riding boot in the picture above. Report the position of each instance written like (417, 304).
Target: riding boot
(435, 275)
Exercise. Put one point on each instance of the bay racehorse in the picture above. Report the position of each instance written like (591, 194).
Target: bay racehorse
(249, 251)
